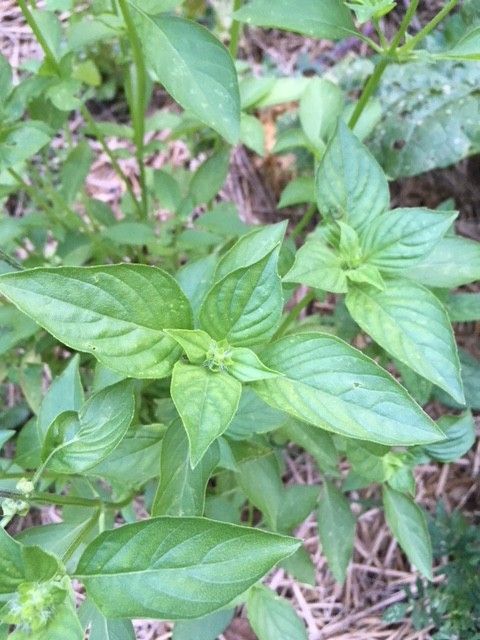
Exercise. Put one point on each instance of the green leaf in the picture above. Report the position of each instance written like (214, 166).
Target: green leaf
(272, 617)
(366, 274)
(246, 366)
(77, 442)
(65, 394)
(19, 563)
(14, 327)
(115, 312)
(336, 530)
(316, 442)
(409, 526)
(331, 385)
(400, 238)
(216, 396)
(470, 368)
(298, 503)
(245, 307)
(129, 233)
(101, 628)
(463, 307)
(298, 191)
(21, 141)
(301, 567)
(75, 170)
(409, 322)
(5, 78)
(208, 179)
(196, 278)
(466, 48)
(329, 19)
(460, 432)
(252, 133)
(158, 568)
(350, 183)
(320, 106)
(54, 538)
(194, 67)
(261, 482)
(318, 266)
(455, 261)
(181, 489)
(135, 460)
(429, 116)
(250, 249)
(196, 343)
(254, 416)
(206, 628)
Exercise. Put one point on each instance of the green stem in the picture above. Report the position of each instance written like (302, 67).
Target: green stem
(138, 93)
(116, 167)
(10, 260)
(293, 314)
(61, 500)
(372, 83)
(86, 529)
(50, 56)
(235, 31)
(428, 28)
(305, 220)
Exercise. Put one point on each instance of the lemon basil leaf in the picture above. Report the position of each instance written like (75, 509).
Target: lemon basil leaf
(331, 385)
(206, 401)
(400, 238)
(245, 307)
(194, 67)
(409, 322)
(115, 312)
(157, 568)
(350, 184)
(181, 489)
(336, 529)
(272, 617)
(328, 19)
(76, 442)
(409, 526)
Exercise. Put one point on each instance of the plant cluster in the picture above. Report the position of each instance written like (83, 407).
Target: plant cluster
(181, 366)
(451, 607)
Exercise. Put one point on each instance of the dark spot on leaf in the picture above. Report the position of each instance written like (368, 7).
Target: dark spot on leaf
(399, 144)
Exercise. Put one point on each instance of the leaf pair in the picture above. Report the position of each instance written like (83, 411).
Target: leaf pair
(371, 253)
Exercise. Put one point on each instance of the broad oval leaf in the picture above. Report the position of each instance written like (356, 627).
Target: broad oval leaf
(430, 116)
(336, 529)
(350, 184)
(409, 322)
(245, 307)
(326, 19)
(409, 526)
(460, 432)
(206, 401)
(273, 617)
(251, 248)
(318, 266)
(181, 489)
(115, 312)
(331, 385)
(402, 237)
(91, 435)
(194, 67)
(455, 261)
(177, 568)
